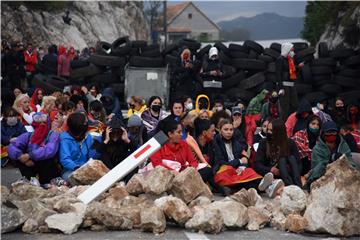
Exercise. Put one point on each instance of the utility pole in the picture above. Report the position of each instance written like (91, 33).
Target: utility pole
(165, 23)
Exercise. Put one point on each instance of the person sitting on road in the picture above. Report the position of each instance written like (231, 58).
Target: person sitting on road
(153, 115)
(22, 106)
(202, 103)
(136, 106)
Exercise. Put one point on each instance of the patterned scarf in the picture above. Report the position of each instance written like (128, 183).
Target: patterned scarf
(292, 70)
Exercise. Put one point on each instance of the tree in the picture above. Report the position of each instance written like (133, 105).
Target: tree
(153, 14)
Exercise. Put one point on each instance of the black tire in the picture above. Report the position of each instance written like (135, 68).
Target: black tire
(238, 93)
(276, 46)
(271, 77)
(315, 97)
(342, 53)
(353, 61)
(79, 63)
(224, 58)
(43, 81)
(169, 49)
(348, 72)
(305, 53)
(319, 80)
(271, 67)
(85, 71)
(190, 43)
(233, 80)
(136, 61)
(299, 46)
(138, 44)
(134, 52)
(324, 62)
(253, 54)
(266, 58)
(306, 74)
(238, 54)
(171, 60)
(303, 89)
(253, 81)
(102, 60)
(306, 59)
(150, 47)
(347, 81)
(102, 79)
(58, 81)
(238, 48)
(323, 50)
(254, 46)
(350, 96)
(321, 70)
(222, 47)
(151, 53)
(104, 48)
(249, 64)
(331, 89)
(271, 52)
(200, 54)
(121, 46)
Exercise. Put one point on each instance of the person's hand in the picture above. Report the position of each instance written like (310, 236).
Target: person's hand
(213, 73)
(13, 139)
(237, 122)
(281, 92)
(301, 64)
(84, 89)
(107, 135)
(24, 157)
(29, 163)
(244, 160)
(188, 65)
(20, 110)
(125, 136)
(275, 171)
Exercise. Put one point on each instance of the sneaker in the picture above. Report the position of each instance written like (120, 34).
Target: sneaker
(59, 182)
(274, 187)
(22, 180)
(4, 162)
(47, 186)
(35, 182)
(266, 181)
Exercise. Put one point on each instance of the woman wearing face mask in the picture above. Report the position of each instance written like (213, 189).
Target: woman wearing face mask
(330, 147)
(338, 113)
(75, 144)
(136, 106)
(153, 115)
(11, 127)
(202, 103)
(136, 131)
(278, 155)
(261, 134)
(22, 106)
(34, 153)
(299, 119)
(305, 141)
(116, 145)
(188, 103)
(272, 109)
(97, 117)
(36, 99)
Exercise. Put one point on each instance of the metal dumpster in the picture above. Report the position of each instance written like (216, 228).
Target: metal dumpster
(147, 82)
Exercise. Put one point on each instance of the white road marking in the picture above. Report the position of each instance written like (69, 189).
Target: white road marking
(196, 236)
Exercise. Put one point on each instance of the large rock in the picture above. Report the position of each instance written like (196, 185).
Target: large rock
(257, 219)
(106, 216)
(187, 185)
(233, 213)
(158, 181)
(206, 220)
(278, 218)
(4, 194)
(207, 192)
(293, 200)
(199, 201)
(118, 192)
(333, 205)
(174, 208)
(11, 219)
(135, 186)
(152, 219)
(33, 208)
(89, 173)
(30, 226)
(246, 197)
(24, 191)
(67, 205)
(295, 223)
(67, 223)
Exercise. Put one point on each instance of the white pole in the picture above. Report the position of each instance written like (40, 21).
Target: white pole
(123, 168)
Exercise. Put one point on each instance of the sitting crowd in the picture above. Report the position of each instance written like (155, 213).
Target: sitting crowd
(48, 137)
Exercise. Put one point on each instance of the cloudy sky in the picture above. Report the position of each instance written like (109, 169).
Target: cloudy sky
(227, 10)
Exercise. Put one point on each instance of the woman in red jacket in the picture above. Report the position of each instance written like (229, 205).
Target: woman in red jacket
(176, 154)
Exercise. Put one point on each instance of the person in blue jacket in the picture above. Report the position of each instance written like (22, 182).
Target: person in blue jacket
(75, 144)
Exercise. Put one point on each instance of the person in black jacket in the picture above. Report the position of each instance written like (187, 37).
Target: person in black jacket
(279, 155)
(116, 145)
(14, 64)
(49, 61)
(338, 113)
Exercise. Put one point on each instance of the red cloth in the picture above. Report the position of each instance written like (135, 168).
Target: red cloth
(40, 132)
(290, 124)
(227, 176)
(180, 152)
(302, 142)
(356, 135)
(64, 65)
(33, 100)
(292, 69)
(30, 61)
(71, 53)
(250, 121)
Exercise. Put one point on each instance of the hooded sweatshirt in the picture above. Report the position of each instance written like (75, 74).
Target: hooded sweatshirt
(112, 106)
(63, 62)
(294, 122)
(282, 65)
(256, 103)
(197, 106)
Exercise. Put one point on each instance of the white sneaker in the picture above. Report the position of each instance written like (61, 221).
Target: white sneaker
(266, 181)
(35, 182)
(272, 189)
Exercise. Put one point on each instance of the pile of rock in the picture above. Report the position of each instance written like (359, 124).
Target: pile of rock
(152, 200)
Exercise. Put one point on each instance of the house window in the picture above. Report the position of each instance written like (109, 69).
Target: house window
(190, 15)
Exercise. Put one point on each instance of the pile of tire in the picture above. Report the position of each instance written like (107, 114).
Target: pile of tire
(50, 83)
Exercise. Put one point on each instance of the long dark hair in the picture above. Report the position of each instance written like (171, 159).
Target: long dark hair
(278, 146)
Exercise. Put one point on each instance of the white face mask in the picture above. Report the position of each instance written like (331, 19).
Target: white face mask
(189, 106)
(292, 54)
(219, 109)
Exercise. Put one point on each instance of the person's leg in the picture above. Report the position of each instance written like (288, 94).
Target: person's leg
(47, 170)
(207, 176)
(305, 166)
(295, 170)
(247, 185)
(26, 171)
(293, 99)
(284, 173)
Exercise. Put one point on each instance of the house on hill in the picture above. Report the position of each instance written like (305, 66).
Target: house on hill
(185, 20)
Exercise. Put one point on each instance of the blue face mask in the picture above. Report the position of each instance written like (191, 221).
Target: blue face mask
(313, 130)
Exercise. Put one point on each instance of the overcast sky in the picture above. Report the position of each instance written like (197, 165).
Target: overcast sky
(227, 10)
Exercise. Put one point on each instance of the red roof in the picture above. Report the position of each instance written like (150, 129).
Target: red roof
(173, 11)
